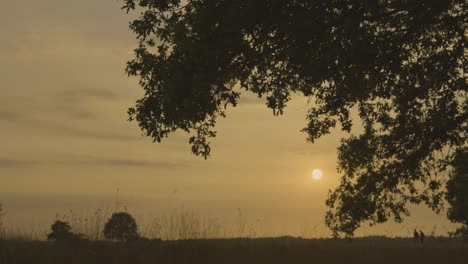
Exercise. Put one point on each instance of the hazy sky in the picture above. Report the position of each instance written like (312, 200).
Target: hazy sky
(66, 144)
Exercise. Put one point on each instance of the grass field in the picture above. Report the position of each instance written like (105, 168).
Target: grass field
(260, 250)
(188, 238)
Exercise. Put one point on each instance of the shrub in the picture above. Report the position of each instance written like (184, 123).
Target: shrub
(121, 226)
(61, 231)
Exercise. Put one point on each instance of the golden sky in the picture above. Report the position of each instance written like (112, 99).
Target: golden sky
(65, 142)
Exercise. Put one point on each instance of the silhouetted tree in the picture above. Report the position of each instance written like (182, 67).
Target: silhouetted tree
(399, 63)
(457, 192)
(61, 231)
(2, 227)
(121, 226)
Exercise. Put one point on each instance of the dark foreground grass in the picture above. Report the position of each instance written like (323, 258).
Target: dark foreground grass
(264, 250)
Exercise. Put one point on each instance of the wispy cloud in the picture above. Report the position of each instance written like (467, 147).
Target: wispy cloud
(78, 95)
(84, 20)
(9, 116)
(75, 102)
(89, 161)
(121, 162)
(56, 128)
(88, 132)
(15, 163)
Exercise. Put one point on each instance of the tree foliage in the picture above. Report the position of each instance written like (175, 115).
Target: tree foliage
(61, 231)
(121, 226)
(399, 63)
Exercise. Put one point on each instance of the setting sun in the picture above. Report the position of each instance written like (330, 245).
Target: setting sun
(317, 174)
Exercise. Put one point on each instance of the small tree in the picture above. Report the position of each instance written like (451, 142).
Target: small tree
(121, 226)
(61, 231)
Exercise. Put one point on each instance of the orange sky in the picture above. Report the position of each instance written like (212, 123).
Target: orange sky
(65, 142)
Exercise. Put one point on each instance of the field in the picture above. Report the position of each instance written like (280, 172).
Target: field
(239, 250)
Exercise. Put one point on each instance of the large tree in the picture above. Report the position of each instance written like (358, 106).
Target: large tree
(400, 64)
(457, 190)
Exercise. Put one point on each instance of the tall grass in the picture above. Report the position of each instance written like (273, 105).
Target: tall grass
(178, 223)
(182, 224)
(19, 234)
(89, 224)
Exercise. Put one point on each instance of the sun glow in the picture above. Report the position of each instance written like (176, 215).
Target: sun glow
(317, 174)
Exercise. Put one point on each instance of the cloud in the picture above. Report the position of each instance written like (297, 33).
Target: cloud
(9, 116)
(75, 103)
(113, 162)
(85, 20)
(79, 95)
(89, 133)
(54, 128)
(30, 201)
(15, 163)
(89, 161)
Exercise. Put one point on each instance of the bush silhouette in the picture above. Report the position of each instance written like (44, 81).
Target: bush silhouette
(61, 231)
(2, 228)
(121, 226)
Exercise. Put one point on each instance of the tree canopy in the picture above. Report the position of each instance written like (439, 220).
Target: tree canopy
(399, 63)
(62, 231)
(121, 226)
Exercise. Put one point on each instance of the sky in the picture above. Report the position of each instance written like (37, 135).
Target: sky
(66, 144)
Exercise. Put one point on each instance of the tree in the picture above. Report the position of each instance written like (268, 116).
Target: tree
(61, 231)
(457, 191)
(2, 227)
(400, 64)
(121, 226)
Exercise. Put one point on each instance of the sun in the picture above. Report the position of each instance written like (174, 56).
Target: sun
(317, 174)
